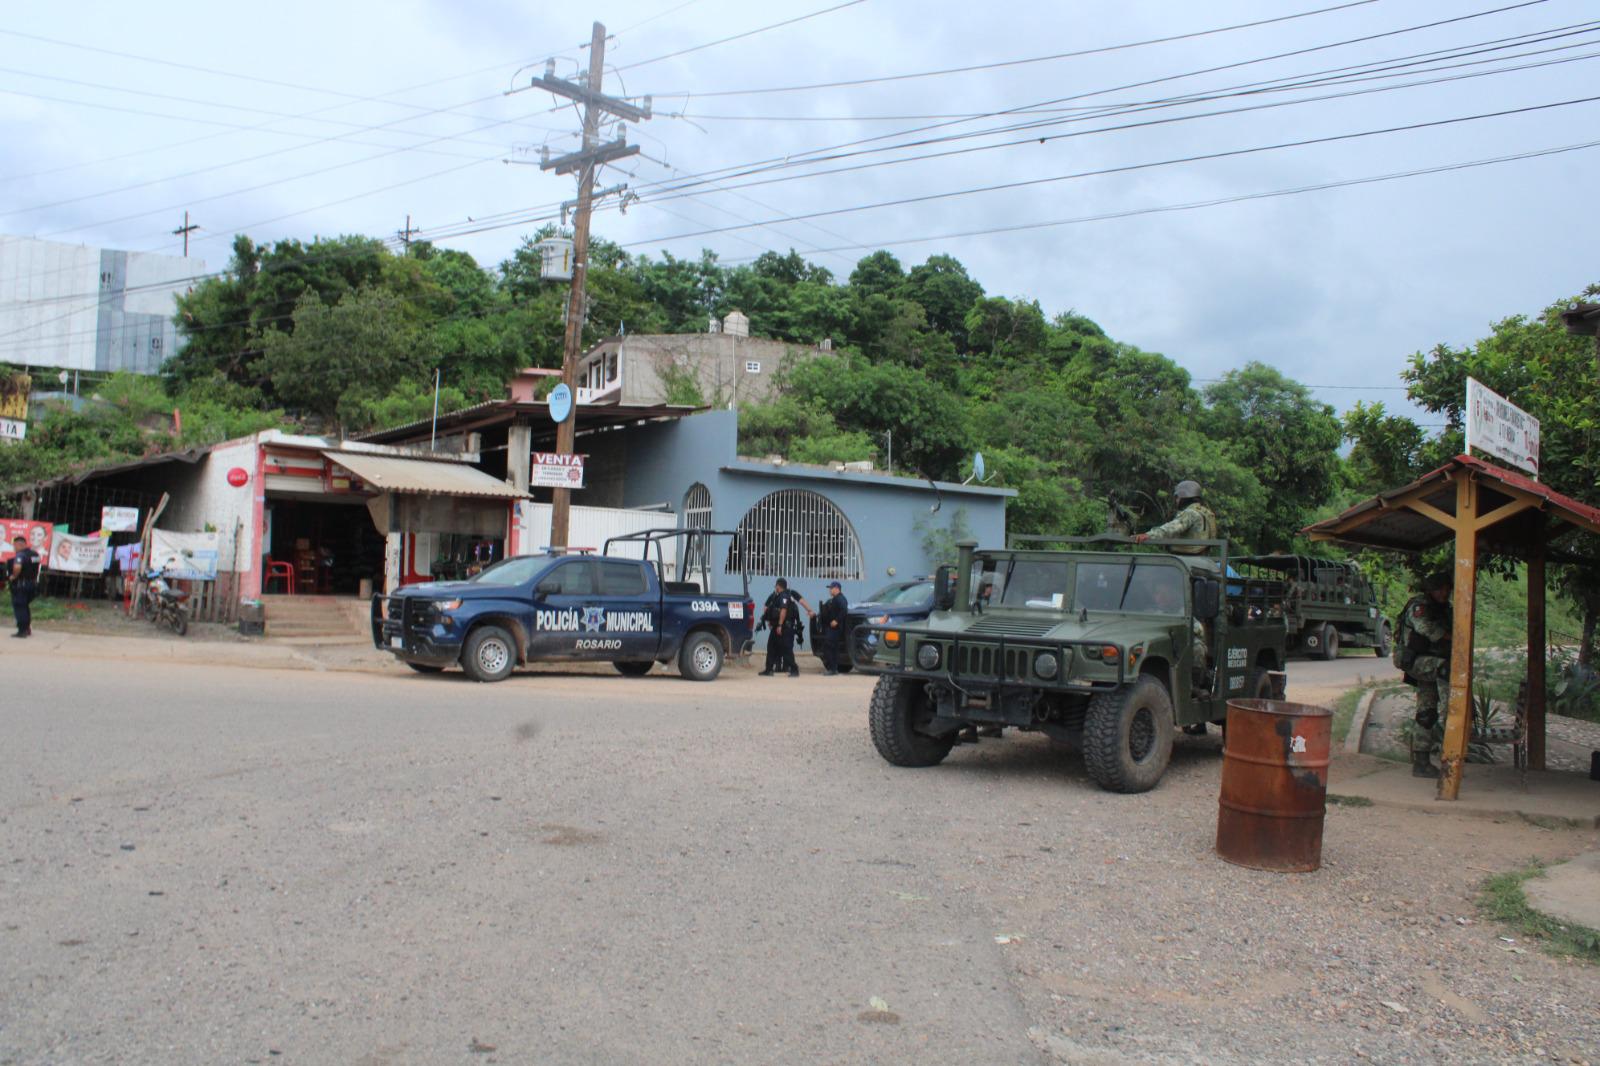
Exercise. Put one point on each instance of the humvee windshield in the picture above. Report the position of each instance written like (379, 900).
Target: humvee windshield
(1152, 588)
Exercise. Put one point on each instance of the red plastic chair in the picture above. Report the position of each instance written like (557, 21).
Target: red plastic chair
(276, 569)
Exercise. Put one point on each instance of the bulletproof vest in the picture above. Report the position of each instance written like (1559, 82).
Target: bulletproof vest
(29, 569)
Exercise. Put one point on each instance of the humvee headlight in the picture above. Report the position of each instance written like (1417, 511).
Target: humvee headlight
(1109, 653)
(1046, 665)
(928, 656)
(891, 639)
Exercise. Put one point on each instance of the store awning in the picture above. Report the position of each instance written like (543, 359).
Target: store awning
(423, 476)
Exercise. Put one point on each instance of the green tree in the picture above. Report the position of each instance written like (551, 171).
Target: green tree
(341, 358)
(1272, 427)
(946, 292)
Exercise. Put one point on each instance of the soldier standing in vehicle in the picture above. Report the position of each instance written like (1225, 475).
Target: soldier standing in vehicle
(1422, 651)
(1194, 521)
(831, 634)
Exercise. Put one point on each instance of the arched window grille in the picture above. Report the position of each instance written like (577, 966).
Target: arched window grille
(697, 550)
(799, 534)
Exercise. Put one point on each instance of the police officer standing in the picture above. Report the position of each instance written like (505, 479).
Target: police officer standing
(831, 634)
(1422, 651)
(1194, 521)
(24, 571)
(778, 615)
(797, 603)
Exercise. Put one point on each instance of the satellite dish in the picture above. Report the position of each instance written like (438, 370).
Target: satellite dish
(560, 402)
(977, 465)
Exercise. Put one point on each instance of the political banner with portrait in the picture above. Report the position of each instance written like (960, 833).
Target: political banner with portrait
(79, 555)
(37, 534)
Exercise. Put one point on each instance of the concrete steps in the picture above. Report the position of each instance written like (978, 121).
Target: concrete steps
(317, 619)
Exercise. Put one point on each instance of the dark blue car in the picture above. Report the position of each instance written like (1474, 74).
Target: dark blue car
(553, 608)
(902, 602)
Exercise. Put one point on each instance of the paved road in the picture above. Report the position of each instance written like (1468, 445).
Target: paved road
(209, 865)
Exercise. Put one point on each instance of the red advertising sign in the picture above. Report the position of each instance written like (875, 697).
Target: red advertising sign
(238, 476)
(36, 533)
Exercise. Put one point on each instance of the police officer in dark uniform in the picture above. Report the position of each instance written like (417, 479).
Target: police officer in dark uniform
(831, 633)
(24, 585)
(778, 616)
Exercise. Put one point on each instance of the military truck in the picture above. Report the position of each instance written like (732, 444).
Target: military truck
(1099, 643)
(1328, 604)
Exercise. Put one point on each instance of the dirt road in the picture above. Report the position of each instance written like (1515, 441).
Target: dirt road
(223, 865)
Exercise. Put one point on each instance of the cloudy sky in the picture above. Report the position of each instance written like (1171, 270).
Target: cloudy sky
(300, 119)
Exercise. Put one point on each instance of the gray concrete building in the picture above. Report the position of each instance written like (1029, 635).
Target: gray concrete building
(81, 308)
(725, 366)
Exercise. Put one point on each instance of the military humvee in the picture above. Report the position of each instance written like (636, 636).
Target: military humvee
(1100, 644)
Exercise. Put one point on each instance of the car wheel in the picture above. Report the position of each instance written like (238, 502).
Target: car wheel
(700, 658)
(490, 654)
(900, 709)
(1330, 642)
(634, 669)
(426, 668)
(1127, 736)
(1385, 643)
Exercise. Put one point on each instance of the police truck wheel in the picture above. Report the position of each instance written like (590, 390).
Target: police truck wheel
(1385, 643)
(900, 709)
(634, 669)
(700, 658)
(1127, 736)
(1330, 642)
(489, 655)
(426, 668)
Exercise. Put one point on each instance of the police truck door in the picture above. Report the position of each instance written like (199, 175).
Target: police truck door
(564, 611)
(632, 621)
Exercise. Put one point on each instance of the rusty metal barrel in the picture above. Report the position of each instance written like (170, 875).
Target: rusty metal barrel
(1274, 785)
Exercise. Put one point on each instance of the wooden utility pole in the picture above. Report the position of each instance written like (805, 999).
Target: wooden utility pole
(584, 162)
(405, 234)
(184, 230)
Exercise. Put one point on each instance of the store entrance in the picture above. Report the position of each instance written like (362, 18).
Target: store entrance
(322, 547)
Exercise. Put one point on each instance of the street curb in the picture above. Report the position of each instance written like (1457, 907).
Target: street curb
(1358, 724)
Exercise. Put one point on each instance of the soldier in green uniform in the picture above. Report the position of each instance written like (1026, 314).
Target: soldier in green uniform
(1422, 652)
(1194, 521)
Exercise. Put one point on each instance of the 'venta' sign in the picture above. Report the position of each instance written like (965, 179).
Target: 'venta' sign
(554, 471)
(1500, 429)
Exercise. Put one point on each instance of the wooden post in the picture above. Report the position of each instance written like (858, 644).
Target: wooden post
(1458, 723)
(1538, 652)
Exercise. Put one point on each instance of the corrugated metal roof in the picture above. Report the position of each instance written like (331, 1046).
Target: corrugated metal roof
(1377, 521)
(423, 476)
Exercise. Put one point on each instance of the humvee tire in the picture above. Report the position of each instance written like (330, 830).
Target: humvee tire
(1330, 642)
(898, 706)
(1127, 736)
(1385, 643)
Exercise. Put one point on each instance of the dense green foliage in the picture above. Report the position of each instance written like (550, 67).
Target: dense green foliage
(344, 334)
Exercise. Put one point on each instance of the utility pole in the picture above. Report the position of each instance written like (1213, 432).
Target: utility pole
(405, 234)
(184, 230)
(584, 162)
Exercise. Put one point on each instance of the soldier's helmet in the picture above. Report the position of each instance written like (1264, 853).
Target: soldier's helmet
(1435, 581)
(1187, 490)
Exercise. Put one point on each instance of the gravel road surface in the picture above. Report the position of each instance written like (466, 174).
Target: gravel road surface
(215, 865)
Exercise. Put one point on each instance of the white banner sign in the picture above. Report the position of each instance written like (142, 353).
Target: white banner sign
(1506, 432)
(119, 519)
(13, 429)
(189, 556)
(554, 471)
(79, 555)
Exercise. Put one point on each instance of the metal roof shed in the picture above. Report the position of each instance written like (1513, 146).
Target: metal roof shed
(1485, 509)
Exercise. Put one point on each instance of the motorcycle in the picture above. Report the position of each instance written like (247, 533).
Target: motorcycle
(166, 604)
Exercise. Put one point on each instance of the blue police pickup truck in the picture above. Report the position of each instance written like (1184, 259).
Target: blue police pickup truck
(565, 608)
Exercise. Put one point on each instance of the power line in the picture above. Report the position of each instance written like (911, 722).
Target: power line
(1224, 200)
(1131, 167)
(740, 36)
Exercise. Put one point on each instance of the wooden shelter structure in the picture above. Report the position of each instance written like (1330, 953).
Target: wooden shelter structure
(1488, 511)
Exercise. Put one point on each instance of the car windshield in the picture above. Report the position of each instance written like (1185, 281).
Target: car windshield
(921, 592)
(1150, 589)
(513, 571)
(1022, 583)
